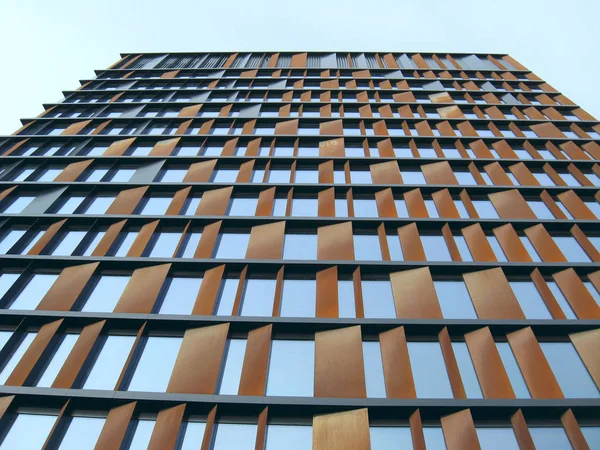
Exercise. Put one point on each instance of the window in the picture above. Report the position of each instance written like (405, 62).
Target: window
(165, 245)
(20, 434)
(109, 363)
(569, 370)
(378, 299)
(258, 298)
(31, 295)
(235, 436)
(467, 370)
(291, 368)
(70, 205)
(232, 370)
(243, 207)
(346, 305)
(225, 176)
(232, 245)
(156, 206)
(69, 243)
(530, 300)
(300, 246)
(360, 177)
(142, 434)
(82, 434)
(279, 176)
(454, 300)
(429, 370)
(290, 437)
(385, 438)
(305, 207)
(365, 208)
(155, 365)
(394, 247)
(485, 209)
(57, 361)
(18, 205)
(550, 438)
(401, 208)
(569, 247)
(413, 177)
(180, 296)
(562, 301)
(435, 248)
(496, 248)
(530, 248)
(540, 210)
(10, 239)
(6, 282)
(465, 178)
(299, 298)
(434, 438)
(227, 296)
(105, 294)
(512, 369)
(174, 175)
(373, 369)
(367, 248)
(16, 356)
(194, 434)
(496, 438)
(306, 176)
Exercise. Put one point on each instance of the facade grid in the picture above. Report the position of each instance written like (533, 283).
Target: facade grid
(326, 251)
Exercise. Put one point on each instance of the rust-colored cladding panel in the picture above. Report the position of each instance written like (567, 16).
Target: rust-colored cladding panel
(547, 296)
(386, 148)
(587, 344)
(522, 431)
(109, 237)
(70, 369)
(324, 111)
(209, 290)
(385, 203)
(573, 431)
(362, 97)
(335, 242)
(245, 172)
(287, 127)
(511, 245)
(419, 61)
(495, 113)
(404, 97)
(339, 367)
(385, 111)
(326, 203)
(115, 427)
(397, 371)
(533, 364)
(480, 149)
(208, 240)
(209, 431)
(348, 430)
(327, 293)
(264, 206)
(331, 127)
(497, 174)
(100, 127)
(576, 206)
(165, 148)
(492, 376)
(299, 60)
(451, 243)
(46, 237)
(73, 171)
(364, 111)
(410, 241)
(504, 150)
(415, 204)
(200, 172)
(266, 241)
(523, 175)
(511, 205)
(380, 128)
(492, 296)
(450, 112)
(190, 111)
(142, 239)
(67, 288)
(118, 148)
(214, 202)
(126, 201)
(459, 431)
(5, 404)
(143, 288)
(478, 244)
(552, 205)
(416, 431)
(326, 172)
(256, 360)
(34, 352)
(547, 130)
(414, 294)
(445, 205)
(423, 128)
(573, 150)
(583, 304)
(166, 428)
(332, 148)
(458, 390)
(199, 360)
(544, 244)
(439, 173)
(466, 129)
(585, 243)
(386, 173)
(75, 128)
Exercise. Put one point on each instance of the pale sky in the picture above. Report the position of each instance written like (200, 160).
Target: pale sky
(49, 45)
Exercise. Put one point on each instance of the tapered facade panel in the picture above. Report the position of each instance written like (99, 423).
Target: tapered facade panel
(302, 250)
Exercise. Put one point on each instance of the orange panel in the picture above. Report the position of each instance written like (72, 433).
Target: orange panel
(544, 244)
(576, 206)
(442, 97)
(478, 244)
(335, 242)
(142, 290)
(287, 127)
(522, 431)
(580, 299)
(327, 293)
(511, 245)
(332, 127)
(380, 128)
(450, 112)
(348, 430)
(585, 243)
(397, 371)
(504, 150)
(141, 241)
(214, 202)
(256, 359)
(511, 205)
(587, 344)
(404, 97)
(445, 205)
(386, 173)
(439, 173)
(208, 240)
(75, 128)
(492, 296)
(332, 148)
(114, 429)
(573, 431)
(523, 175)
(364, 111)
(410, 241)
(445, 129)
(46, 237)
(127, 201)
(118, 148)
(497, 174)
(459, 431)
(200, 172)
(66, 289)
(266, 241)
(209, 291)
(547, 130)
(166, 428)
(385, 203)
(386, 150)
(326, 172)
(299, 60)
(190, 111)
(466, 128)
(326, 203)
(415, 204)
(73, 171)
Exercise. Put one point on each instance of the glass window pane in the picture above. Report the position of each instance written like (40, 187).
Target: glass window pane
(454, 300)
(530, 300)
(154, 368)
(194, 434)
(373, 369)
(429, 370)
(401, 208)
(365, 208)
(70, 205)
(259, 295)
(299, 298)
(109, 363)
(570, 372)
(165, 245)
(233, 245)
(69, 243)
(512, 369)
(227, 296)
(341, 207)
(126, 243)
(530, 248)
(435, 248)
(57, 361)
(191, 245)
(291, 368)
(232, 370)
(300, 246)
(99, 205)
(394, 247)
(588, 284)
(289, 437)
(305, 207)
(142, 435)
(156, 206)
(367, 248)
(180, 296)
(16, 356)
(10, 239)
(94, 243)
(243, 207)
(496, 438)
(592, 436)
(31, 296)
(235, 436)
(485, 209)
(106, 294)
(18, 205)
(550, 438)
(346, 306)
(387, 438)
(20, 435)
(467, 370)
(540, 209)
(571, 249)
(32, 242)
(434, 438)
(496, 248)
(378, 299)
(82, 434)
(561, 300)
(6, 282)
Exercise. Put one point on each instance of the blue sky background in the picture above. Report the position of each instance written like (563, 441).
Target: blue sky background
(47, 46)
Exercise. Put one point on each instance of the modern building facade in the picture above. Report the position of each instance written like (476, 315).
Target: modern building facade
(328, 251)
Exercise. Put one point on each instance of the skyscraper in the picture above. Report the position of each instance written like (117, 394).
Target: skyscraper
(328, 251)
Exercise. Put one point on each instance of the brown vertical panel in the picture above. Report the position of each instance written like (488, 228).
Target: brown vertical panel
(552, 206)
(450, 243)
(109, 237)
(489, 98)
(511, 205)
(386, 148)
(265, 202)
(5, 403)
(445, 129)
(34, 352)
(278, 292)
(364, 111)
(580, 299)
(416, 431)
(445, 205)
(177, 203)
(544, 244)
(266, 241)
(331, 127)
(214, 202)
(385, 203)
(327, 293)
(73, 171)
(332, 148)
(248, 128)
(573, 150)
(209, 290)
(209, 430)
(287, 127)
(335, 242)
(458, 390)
(326, 172)
(80, 351)
(585, 243)
(405, 111)
(533, 364)
(230, 60)
(397, 371)
(419, 61)
(587, 344)
(299, 60)
(478, 244)
(480, 149)
(573, 431)
(348, 430)
(164, 148)
(466, 128)
(475, 172)
(439, 173)
(386, 173)
(126, 201)
(166, 428)
(339, 367)
(491, 373)
(208, 240)
(142, 290)
(380, 128)
(492, 296)
(578, 175)
(459, 431)
(118, 148)
(324, 111)
(256, 359)
(423, 128)
(46, 237)
(410, 241)
(66, 289)
(522, 431)
(15, 147)
(199, 360)
(497, 174)
(495, 113)
(200, 172)
(383, 245)
(464, 197)
(142, 239)
(190, 111)
(100, 127)
(442, 97)
(547, 130)
(385, 111)
(75, 128)
(511, 245)
(546, 294)
(575, 205)
(182, 128)
(415, 204)
(245, 172)
(326, 203)
(504, 150)
(450, 112)
(593, 149)
(523, 175)
(414, 294)
(362, 97)
(261, 429)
